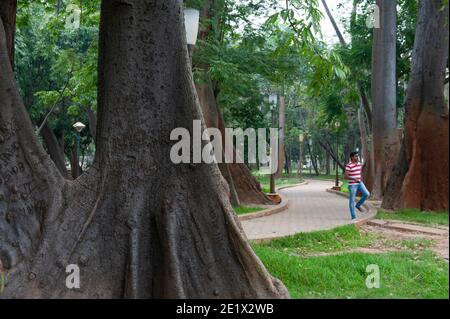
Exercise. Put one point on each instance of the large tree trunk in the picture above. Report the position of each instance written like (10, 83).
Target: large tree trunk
(137, 225)
(420, 178)
(8, 10)
(386, 144)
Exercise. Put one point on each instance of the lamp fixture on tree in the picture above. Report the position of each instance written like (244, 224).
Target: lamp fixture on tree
(191, 22)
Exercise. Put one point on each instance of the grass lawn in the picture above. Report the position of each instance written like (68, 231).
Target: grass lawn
(412, 215)
(345, 237)
(286, 180)
(242, 210)
(406, 274)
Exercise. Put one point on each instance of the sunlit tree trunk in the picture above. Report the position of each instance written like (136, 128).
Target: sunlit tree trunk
(421, 177)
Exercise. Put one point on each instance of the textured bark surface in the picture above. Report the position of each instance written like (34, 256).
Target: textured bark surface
(386, 144)
(137, 225)
(420, 178)
(281, 128)
(8, 15)
(54, 149)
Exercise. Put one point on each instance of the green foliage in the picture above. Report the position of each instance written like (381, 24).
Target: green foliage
(56, 64)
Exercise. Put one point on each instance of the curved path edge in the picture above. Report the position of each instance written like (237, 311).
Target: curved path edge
(272, 210)
(372, 211)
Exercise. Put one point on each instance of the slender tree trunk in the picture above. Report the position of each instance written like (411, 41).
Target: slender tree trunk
(92, 118)
(327, 147)
(8, 10)
(75, 168)
(421, 177)
(327, 163)
(281, 123)
(300, 161)
(365, 149)
(333, 22)
(137, 225)
(313, 160)
(54, 149)
(385, 138)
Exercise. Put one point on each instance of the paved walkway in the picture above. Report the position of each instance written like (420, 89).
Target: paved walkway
(311, 208)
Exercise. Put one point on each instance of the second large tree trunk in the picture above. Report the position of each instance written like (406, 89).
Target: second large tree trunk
(385, 138)
(420, 178)
(136, 224)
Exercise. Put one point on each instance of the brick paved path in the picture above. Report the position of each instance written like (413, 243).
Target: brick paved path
(311, 208)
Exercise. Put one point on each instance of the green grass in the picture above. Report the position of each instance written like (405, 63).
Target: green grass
(286, 180)
(402, 275)
(412, 215)
(242, 210)
(341, 238)
(416, 273)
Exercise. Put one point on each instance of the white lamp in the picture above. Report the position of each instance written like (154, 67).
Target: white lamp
(273, 100)
(78, 126)
(191, 21)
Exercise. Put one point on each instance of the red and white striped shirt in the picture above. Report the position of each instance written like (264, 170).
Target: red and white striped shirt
(353, 171)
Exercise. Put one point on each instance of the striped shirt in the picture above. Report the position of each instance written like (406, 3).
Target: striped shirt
(353, 171)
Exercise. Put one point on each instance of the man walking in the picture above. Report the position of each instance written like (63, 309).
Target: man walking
(355, 184)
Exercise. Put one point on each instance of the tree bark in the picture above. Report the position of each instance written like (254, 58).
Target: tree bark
(54, 149)
(385, 138)
(313, 160)
(365, 150)
(327, 163)
(281, 123)
(137, 225)
(8, 10)
(421, 177)
(92, 118)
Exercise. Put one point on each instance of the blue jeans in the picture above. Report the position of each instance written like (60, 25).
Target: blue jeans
(353, 190)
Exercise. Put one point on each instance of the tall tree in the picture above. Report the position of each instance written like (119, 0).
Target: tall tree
(137, 225)
(282, 130)
(421, 176)
(243, 187)
(386, 143)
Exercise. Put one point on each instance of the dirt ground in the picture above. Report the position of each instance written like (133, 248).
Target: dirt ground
(391, 240)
